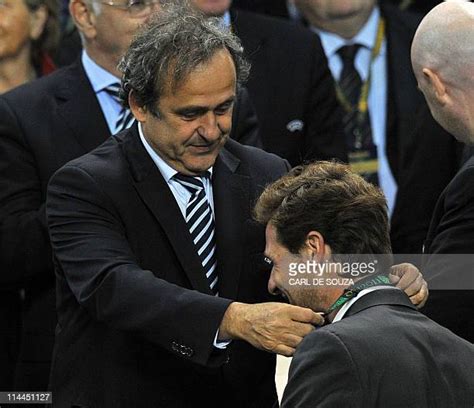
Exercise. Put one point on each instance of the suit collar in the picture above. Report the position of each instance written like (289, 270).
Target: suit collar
(378, 298)
(230, 189)
(79, 108)
(231, 186)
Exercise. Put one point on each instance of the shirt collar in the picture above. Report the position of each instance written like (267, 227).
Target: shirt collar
(225, 19)
(165, 169)
(98, 76)
(366, 36)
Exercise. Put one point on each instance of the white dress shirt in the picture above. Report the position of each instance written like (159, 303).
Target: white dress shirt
(377, 100)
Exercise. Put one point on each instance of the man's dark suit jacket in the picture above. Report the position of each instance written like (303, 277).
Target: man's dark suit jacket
(292, 89)
(383, 353)
(43, 125)
(452, 232)
(137, 319)
(275, 8)
(422, 156)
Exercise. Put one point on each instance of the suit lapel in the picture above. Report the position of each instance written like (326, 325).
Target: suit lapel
(231, 199)
(79, 108)
(159, 199)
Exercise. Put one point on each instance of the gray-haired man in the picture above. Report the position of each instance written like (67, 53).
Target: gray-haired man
(154, 240)
(43, 125)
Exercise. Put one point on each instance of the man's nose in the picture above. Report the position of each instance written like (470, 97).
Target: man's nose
(272, 287)
(209, 127)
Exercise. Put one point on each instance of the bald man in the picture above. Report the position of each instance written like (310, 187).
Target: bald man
(443, 61)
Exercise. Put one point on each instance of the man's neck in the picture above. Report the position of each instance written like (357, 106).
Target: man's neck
(104, 61)
(346, 28)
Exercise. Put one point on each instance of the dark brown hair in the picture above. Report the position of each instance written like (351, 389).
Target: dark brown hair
(48, 40)
(327, 197)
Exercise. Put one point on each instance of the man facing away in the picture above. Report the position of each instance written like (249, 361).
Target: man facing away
(377, 350)
(443, 61)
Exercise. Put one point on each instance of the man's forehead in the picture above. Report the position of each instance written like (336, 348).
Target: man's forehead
(270, 235)
(218, 67)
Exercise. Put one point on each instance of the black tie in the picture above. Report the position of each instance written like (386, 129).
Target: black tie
(200, 221)
(362, 150)
(125, 117)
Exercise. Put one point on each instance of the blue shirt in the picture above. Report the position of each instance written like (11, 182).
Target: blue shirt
(101, 79)
(377, 100)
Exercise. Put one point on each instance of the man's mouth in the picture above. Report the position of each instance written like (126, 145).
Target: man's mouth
(203, 148)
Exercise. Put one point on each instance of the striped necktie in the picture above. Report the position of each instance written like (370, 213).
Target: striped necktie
(200, 221)
(358, 131)
(125, 117)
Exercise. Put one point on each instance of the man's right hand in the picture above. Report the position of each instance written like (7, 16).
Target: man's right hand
(274, 327)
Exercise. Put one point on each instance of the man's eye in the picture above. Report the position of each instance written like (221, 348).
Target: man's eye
(189, 115)
(222, 110)
(137, 4)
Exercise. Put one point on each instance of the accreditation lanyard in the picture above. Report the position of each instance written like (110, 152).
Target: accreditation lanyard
(354, 290)
(362, 105)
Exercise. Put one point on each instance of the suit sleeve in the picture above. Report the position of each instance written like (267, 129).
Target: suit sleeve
(93, 254)
(456, 227)
(322, 374)
(454, 235)
(25, 252)
(324, 136)
(244, 121)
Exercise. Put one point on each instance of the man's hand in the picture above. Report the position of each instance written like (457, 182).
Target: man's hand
(274, 327)
(408, 278)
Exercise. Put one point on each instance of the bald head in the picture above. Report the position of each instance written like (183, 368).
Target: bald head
(444, 40)
(442, 57)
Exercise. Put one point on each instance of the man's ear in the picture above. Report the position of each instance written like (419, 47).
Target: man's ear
(437, 85)
(138, 111)
(316, 245)
(84, 18)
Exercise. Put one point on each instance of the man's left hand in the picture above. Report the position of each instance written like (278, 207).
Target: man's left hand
(408, 278)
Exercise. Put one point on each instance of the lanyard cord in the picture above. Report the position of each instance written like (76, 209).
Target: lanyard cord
(362, 105)
(353, 291)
